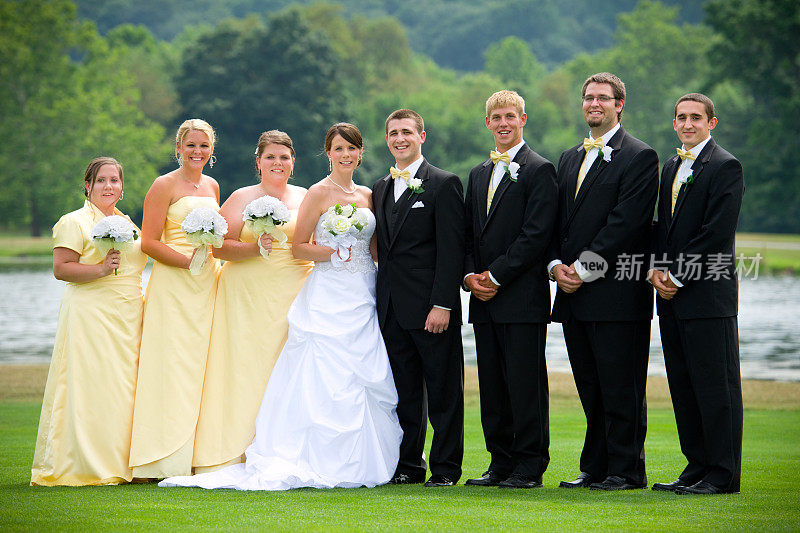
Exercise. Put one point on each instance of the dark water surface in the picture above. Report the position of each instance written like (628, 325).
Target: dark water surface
(769, 326)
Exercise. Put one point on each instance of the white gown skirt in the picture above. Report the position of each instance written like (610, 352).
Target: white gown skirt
(328, 417)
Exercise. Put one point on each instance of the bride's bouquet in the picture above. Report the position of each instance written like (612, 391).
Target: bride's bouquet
(264, 215)
(114, 232)
(204, 227)
(344, 223)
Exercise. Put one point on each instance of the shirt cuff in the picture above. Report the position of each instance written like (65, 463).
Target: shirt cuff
(492, 278)
(675, 280)
(582, 272)
(550, 266)
(444, 308)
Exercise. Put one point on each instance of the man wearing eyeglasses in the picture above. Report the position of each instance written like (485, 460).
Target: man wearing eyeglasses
(607, 187)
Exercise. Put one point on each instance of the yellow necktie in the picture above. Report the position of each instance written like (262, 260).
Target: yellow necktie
(497, 156)
(588, 144)
(685, 154)
(402, 174)
(676, 185)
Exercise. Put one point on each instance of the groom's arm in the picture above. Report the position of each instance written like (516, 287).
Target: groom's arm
(449, 227)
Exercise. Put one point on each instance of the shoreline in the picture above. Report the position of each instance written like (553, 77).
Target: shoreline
(25, 383)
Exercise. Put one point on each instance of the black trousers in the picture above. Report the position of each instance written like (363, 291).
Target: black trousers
(609, 363)
(428, 371)
(512, 374)
(702, 360)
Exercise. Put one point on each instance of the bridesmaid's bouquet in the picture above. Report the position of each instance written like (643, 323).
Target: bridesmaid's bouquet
(344, 223)
(204, 227)
(264, 215)
(114, 232)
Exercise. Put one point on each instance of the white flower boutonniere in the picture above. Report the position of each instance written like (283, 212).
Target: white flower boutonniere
(415, 184)
(512, 171)
(689, 179)
(606, 153)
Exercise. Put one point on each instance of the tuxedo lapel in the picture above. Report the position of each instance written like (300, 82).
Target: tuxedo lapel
(521, 158)
(381, 190)
(482, 190)
(405, 202)
(597, 169)
(697, 170)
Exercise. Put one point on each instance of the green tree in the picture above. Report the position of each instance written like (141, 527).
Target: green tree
(245, 77)
(512, 61)
(58, 112)
(759, 54)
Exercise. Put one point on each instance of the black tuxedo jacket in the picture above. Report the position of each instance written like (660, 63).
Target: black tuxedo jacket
(511, 241)
(704, 226)
(612, 217)
(420, 256)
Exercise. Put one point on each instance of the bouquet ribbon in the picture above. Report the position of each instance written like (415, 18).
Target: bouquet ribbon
(105, 244)
(342, 245)
(202, 240)
(262, 225)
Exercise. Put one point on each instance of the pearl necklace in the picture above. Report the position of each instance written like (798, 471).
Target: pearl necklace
(355, 188)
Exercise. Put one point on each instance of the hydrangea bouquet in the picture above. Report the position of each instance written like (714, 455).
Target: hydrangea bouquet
(264, 215)
(114, 232)
(204, 227)
(344, 222)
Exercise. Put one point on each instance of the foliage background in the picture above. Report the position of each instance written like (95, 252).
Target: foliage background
(116, 77)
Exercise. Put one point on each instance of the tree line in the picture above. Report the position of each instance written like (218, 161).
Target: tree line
(68, 93)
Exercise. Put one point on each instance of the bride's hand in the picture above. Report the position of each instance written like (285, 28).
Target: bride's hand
(349, 254)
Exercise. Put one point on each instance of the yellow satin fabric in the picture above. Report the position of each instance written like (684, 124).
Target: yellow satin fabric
(402, 174)
(247, 335)
(178, 311)
(87, 411)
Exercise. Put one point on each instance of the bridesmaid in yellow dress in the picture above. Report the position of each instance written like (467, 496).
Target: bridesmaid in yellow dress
(87, 411)
(178, 310)
(253, 297)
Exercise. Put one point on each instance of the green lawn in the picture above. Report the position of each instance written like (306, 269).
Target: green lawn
(770, 498)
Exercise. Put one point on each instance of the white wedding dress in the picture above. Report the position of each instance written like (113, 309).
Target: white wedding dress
(328, 415)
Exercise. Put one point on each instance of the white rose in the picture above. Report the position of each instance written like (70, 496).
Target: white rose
(347, 210)
(340, 224)
(414, 183)
(513, 170)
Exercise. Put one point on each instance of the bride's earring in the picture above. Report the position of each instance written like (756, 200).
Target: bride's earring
(330, 165)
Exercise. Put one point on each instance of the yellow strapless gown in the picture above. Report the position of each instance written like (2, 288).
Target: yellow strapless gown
(247, 335)
(87, 411)
(178, 309)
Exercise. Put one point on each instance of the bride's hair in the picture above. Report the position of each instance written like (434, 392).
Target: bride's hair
(348, 132)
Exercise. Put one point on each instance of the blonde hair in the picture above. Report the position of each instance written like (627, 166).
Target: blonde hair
(193, 124)
(505, 99)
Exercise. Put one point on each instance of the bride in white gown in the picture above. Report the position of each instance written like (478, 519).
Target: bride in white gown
(328, 416)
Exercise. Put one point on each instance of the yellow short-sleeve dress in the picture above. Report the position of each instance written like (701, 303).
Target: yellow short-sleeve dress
(87, 411)
(247, 335)
(178, 309)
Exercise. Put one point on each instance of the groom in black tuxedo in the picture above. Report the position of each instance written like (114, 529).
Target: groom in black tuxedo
(420, 233)
(607, 188)
(511, 207)
(698, 208)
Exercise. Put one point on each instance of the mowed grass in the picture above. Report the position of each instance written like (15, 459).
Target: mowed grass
(770, 498)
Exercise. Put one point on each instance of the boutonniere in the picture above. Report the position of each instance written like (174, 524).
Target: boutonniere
(605, 153)
(415, 184)
(688, 180)
(512, 171)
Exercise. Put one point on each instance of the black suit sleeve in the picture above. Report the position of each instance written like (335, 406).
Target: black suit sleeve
(554, 248)
(469, 239)
(721, 215)
(449, 220)
(531, 244)
(633, 213)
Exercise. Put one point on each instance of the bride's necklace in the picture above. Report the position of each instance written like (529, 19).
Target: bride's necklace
(187, 180)
(342, 188)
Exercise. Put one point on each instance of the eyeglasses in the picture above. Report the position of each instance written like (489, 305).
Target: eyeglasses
(602, 98)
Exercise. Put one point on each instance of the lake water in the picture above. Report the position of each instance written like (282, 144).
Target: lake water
(769, 333)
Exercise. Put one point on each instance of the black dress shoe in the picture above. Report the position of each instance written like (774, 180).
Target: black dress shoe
(520, 481)
(703, 487)
(438, 480)
(670, 487)
(616, 483)
(582, 481)
(406, 479)
(490, 478)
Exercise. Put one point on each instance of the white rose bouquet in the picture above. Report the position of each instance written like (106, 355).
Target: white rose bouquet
(264, 215)
(114, 232)
(204, 227)
(344, 223)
